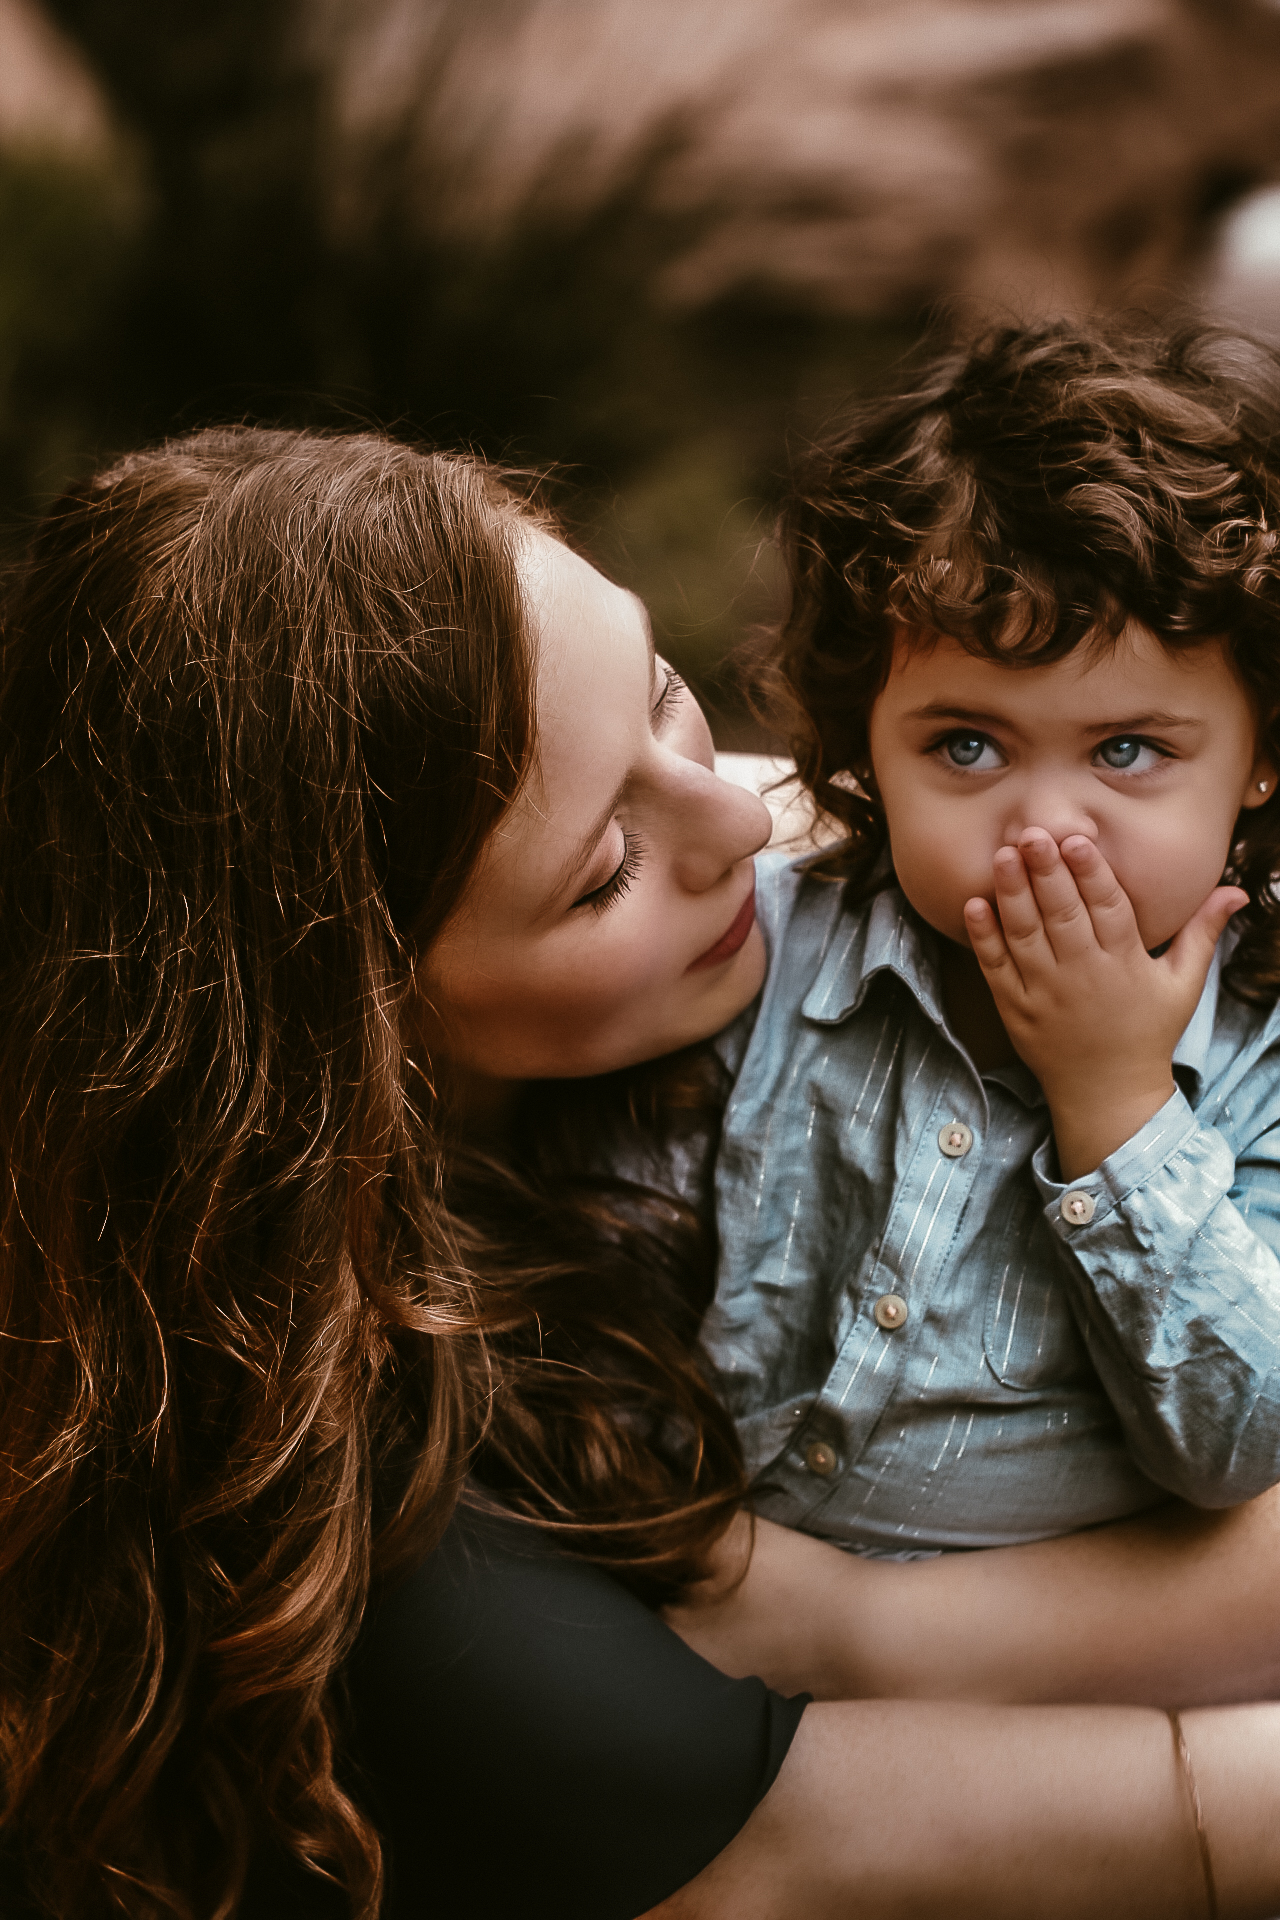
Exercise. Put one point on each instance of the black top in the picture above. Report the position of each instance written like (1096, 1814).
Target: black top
(533, 1741)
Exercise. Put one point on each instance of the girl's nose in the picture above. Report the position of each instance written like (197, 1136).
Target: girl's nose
(716, 825)
(1049, 804)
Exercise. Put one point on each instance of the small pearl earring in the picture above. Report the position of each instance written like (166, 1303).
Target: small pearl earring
(1262, 786)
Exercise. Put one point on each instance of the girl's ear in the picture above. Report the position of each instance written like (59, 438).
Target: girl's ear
(1262, 783)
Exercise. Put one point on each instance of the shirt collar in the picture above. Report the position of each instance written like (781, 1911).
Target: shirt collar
(889, 937)
(886, 937)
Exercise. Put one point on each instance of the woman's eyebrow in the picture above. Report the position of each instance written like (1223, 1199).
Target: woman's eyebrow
(583, 848)
(647, 624)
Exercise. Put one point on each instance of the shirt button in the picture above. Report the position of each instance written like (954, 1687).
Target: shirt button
(820, 1458)
(890, 1311)
(955, 1139)
(1077, 1207)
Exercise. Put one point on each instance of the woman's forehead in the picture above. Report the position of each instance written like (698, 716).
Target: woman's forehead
(592, 646)
(593, 675)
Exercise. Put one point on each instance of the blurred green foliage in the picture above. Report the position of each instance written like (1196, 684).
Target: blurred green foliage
(220, 290)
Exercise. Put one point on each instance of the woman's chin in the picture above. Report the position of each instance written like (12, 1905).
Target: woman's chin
(725, 990)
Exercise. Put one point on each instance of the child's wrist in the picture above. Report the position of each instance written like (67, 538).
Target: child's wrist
(1087, 1132)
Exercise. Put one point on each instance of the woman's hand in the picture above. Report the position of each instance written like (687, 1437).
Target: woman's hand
(1174, 1609)
(1093, 1015)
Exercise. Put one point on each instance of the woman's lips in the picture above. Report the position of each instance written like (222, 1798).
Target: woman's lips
(729, 942)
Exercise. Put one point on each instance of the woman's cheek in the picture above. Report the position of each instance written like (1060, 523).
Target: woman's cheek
(589, 986)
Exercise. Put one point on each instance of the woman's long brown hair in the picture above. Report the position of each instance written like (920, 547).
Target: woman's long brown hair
(262, 697)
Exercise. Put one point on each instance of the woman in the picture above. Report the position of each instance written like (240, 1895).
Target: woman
(296, 896)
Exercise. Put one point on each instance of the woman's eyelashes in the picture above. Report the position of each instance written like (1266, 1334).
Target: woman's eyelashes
(610, 891)
(601, 898)
(673, 688)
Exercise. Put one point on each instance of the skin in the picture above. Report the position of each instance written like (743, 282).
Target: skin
(619, 867)
(894, 1811)
(1055, 824)
(1174, 1609)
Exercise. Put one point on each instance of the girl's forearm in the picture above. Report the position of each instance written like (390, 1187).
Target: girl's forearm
(1175, 1609)
(888, 1810)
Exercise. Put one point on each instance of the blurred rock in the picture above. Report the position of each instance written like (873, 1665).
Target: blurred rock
(1242, 274)
(858, 156)
(49, 99)
(72, 198)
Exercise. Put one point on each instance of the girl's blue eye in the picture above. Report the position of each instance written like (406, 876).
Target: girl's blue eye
(965, 749)
(1124, 754)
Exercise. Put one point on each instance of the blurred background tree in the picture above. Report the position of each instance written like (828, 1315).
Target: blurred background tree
(651, 245)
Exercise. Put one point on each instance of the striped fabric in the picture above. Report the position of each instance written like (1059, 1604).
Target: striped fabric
(925, 1341)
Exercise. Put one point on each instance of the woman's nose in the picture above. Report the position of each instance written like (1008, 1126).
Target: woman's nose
(717, 825)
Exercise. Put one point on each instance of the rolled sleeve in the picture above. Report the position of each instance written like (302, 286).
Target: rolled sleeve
(1171, 1260)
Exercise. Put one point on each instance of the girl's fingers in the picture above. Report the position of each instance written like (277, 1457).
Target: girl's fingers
(1109, 907)
(988, 942)
(1194, 947)
(1019, 910)
(1065, 916)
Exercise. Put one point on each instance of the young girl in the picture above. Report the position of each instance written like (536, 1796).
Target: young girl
(999, 1189)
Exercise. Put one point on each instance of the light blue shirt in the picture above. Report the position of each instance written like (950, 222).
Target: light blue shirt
(1066, 1354)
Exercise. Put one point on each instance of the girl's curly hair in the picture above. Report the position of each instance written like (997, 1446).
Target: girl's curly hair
(1031, 492)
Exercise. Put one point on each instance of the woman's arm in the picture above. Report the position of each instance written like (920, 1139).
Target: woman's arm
(1175, 1609)
(885, 1811)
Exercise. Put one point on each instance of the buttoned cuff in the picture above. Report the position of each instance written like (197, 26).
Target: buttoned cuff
(1080, 1203)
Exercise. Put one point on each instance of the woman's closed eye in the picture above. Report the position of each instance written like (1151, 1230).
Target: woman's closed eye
(673, 691)
(969, 751)
(1129, 753)
(601, 898)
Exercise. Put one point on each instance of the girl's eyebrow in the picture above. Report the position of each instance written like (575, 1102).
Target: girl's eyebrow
(1156, 722)
(940, 710)
(1149, 723)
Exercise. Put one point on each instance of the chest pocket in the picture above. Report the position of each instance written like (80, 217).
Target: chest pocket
(1030, 1337)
